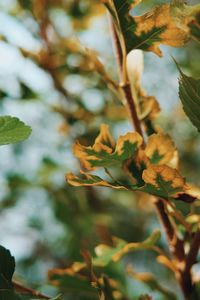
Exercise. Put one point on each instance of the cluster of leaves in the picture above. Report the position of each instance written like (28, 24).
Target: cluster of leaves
(149, 168)
(90, 276)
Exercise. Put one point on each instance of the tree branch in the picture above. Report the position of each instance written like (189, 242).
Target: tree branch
(194, 249)
(176, 245)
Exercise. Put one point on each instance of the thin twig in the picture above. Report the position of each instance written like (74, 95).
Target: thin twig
(29, 291)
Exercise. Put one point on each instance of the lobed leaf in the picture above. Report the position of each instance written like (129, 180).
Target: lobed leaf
(104, 153)
(12, 130)
(163, 181)
(160, 149)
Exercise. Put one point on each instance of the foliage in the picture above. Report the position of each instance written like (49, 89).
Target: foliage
(107, 237)
(189, 95)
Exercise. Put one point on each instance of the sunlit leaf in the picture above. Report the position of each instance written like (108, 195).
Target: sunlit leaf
(104, 152)
(163, 181)
(168, 24)
(160, 149)
(12, 130)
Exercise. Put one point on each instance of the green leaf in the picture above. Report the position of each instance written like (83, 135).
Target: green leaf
(7, 268)
(12, 130)
(189, 93)
(106, 254)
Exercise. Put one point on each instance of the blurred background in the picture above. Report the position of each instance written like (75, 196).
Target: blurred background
(49, 82)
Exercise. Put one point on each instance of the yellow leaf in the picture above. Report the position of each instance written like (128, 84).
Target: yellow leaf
(172, 21)
(104, 153)
(168, 174)
(104, 142)
(105, 137)
(160, 148)
(129, 138)
(163, 181)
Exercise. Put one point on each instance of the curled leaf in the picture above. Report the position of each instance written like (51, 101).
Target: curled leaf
(90, 180)
(149, 107)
